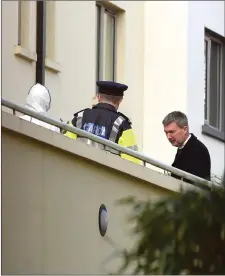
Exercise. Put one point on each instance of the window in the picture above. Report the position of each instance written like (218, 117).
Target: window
(214, 84)
(50, 30)
(37, 45)
(24, 8)
(26, 40)
(106, 43)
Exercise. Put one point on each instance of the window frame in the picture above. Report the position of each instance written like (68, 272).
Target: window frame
(207, 129)
(21, 26)
(26, 37)
(19, 38)
(50, 30)
(29, 50)
(100, 40)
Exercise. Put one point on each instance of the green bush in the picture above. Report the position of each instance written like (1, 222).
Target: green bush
(181, 234)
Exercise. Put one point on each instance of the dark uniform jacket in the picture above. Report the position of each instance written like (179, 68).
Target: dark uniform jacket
(193, 158)
(103, 120)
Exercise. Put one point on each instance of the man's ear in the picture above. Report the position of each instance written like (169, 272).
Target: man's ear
(185, 128)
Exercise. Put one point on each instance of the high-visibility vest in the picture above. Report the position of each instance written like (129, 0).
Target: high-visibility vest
(127, 139)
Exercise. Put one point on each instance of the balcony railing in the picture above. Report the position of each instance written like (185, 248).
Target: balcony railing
(199, 182)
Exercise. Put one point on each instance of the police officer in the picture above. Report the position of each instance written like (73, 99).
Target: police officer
(105, 121)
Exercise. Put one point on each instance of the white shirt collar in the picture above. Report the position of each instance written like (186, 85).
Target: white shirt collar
(185, 142)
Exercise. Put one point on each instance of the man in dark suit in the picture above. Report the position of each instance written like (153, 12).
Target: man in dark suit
(192, 155)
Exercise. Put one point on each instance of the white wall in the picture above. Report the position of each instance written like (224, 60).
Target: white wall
(74, 86)
(202, 14)
(18, 75)
(76, 51)
(130, 62)
(174, 71)
(165, 65)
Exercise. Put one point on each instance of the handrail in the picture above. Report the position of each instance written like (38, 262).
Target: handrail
(197, 180)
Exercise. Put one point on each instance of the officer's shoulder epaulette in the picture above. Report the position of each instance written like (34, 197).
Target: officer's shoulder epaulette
(127, 119)
(75, 114)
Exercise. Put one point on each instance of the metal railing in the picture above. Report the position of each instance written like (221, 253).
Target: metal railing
(197, 181)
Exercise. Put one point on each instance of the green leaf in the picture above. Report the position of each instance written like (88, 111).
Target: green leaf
(183, 233)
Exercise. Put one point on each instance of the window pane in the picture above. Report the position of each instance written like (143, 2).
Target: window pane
(50, 30)
(109, 43)
(24, 19)
(206, 71)
(215, 60)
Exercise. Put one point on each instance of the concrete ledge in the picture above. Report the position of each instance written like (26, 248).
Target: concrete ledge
(52, 65)
(22, 127)
(25, 53)
(28, 55)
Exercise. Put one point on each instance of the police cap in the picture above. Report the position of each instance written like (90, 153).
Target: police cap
(111, 88)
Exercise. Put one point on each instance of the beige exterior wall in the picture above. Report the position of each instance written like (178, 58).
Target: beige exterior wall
(18, 74)
(73, 85)
(166, 53)
(52, 188)
(156, 57)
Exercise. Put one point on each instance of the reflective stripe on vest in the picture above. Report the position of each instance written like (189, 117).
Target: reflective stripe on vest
(112, 137)
(114, 132)
(86, 140)
(79, 119)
